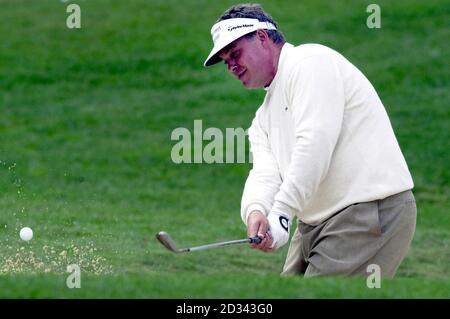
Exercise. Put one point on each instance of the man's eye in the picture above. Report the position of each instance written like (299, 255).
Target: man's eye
(234, 55)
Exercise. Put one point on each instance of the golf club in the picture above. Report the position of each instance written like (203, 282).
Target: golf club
(165, 239)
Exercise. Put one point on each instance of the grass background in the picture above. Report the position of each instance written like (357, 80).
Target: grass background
(85, 123)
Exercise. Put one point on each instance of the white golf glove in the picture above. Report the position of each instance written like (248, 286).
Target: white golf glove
(279, 224)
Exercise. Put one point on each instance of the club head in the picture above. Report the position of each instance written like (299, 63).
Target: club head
(165, 239)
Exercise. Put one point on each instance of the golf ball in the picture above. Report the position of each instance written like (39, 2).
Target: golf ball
(26, 233)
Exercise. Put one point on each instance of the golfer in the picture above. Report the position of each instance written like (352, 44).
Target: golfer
(324, 152)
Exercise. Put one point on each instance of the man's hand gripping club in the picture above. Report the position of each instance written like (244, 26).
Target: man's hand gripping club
(273, 229)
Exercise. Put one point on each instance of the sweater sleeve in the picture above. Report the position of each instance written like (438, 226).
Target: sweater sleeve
(316, 94)
(264, 179)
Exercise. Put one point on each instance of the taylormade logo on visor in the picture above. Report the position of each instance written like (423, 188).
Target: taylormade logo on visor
(240, 26)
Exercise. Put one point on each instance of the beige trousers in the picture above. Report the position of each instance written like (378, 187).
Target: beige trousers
(378, 232)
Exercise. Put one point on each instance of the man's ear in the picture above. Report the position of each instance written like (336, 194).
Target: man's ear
(262, 35)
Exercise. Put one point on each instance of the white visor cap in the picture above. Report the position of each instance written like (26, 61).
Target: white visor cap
(226, 31)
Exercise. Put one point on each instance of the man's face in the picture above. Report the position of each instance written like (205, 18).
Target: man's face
(249, 61)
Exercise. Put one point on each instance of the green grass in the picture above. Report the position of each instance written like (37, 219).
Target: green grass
(86, 118)
(192, 286)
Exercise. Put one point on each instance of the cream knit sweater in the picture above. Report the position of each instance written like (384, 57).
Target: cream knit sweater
(321, 140)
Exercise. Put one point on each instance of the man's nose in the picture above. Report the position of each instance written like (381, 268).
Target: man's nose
(232, 67)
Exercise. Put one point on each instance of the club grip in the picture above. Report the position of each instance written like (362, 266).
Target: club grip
(255, 240)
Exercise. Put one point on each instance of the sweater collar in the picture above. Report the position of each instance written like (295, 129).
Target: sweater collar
(282, 58)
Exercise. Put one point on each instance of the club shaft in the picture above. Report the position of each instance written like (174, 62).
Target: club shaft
(217, 245)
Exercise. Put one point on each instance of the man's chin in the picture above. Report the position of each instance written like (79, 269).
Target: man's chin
(249, 85)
